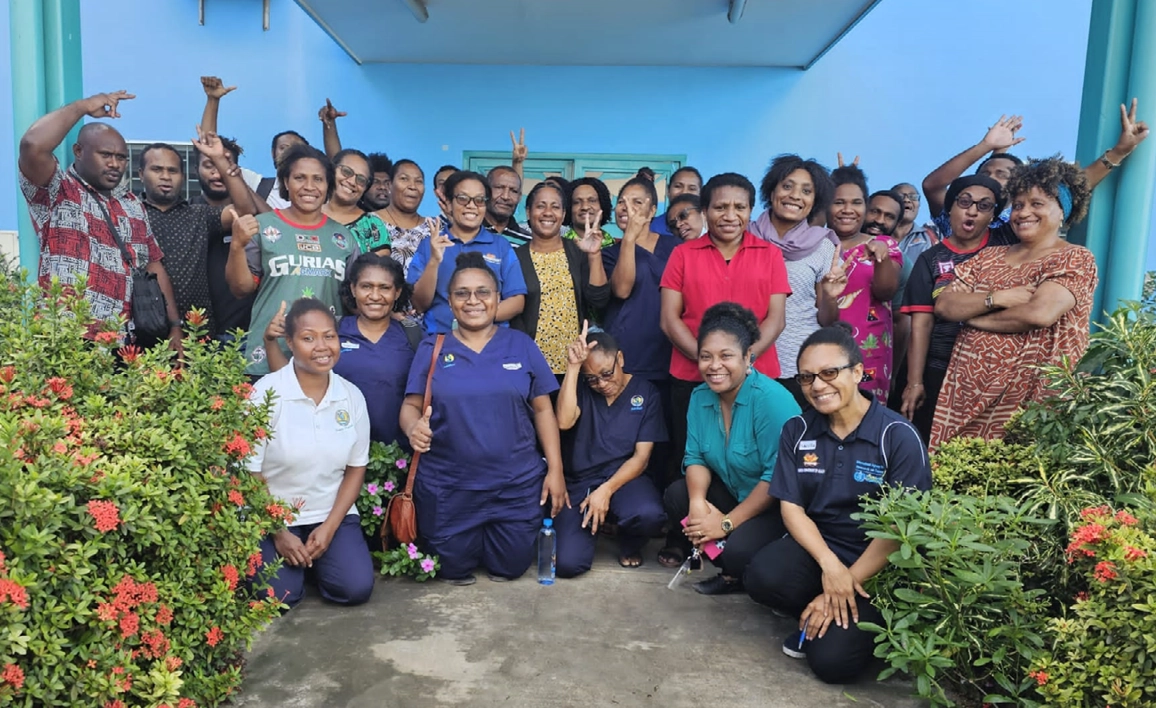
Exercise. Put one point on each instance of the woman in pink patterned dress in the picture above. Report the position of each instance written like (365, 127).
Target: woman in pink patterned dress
(868, 276)
(1023, 305)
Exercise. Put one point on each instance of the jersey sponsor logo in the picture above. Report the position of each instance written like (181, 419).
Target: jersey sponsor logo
(257, 355)
(945, 267)
(272, 234)
(294, 264)
(636, 403)
(492, 258)
(308, 238)
(512, 367)
(340, 241)
(808, 444)
(342, 418)
(810, 460)
(869, 472)
(309, 247)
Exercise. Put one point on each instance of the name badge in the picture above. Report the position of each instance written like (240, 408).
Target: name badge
(808, 444)
(350, 345)
(512, 367)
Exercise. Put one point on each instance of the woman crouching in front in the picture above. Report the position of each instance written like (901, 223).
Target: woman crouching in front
(482, 481)
(847, 447)
(316, 457)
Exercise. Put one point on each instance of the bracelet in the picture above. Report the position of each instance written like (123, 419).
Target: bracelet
(915, 383)
(1108, 163)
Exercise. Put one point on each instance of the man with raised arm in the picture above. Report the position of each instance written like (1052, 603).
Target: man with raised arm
(74, 211)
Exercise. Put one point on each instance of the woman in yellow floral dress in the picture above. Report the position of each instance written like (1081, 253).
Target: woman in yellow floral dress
(563, 278)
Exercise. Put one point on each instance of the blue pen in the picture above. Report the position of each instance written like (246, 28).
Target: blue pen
(802, 638)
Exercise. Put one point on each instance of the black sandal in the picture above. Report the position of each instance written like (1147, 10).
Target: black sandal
(671, 557)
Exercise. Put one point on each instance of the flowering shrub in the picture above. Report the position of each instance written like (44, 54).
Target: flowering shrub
(129, 531)
(1103, 651)
(384, 477)
(406, 559)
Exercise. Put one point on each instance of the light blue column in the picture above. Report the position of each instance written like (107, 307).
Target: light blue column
(26, 35)
(1123, 279)
(63, 77)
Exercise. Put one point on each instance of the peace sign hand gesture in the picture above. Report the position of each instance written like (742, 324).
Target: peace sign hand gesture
(835, 281)
(438, 241)
(591, 239)
(1002, 135)
(520, 150)
(579, 349)
(103, 105)
(1132, 132)
(637, 221)
(854, 163)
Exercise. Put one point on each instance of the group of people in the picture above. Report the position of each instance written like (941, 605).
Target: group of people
(737, 382)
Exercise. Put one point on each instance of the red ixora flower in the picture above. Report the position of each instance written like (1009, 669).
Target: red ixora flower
(106, 338)
(243, 390)
(186, 703)
(11, 591)
(13, 675)
(1105, 571)
(231, 576)
(1134, 554)
(1040, 677)
(255, 562)
(129, 353)
(1125, 518)
(214, 636)
(105, 513)
(238, 447)
(1095, 512)
(60, 387)
(1086, 535)
(129, 624)
(260, 433)
(218, 403)
(7, 374)
(164, 615)
(236, 497)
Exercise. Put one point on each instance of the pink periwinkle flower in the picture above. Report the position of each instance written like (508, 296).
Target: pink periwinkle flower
(378, 511)
(401, 464)
(427, 565)
(388, 486)
(412, 551)
(371, 488)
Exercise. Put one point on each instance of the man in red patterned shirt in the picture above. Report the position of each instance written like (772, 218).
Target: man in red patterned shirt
(68, 210)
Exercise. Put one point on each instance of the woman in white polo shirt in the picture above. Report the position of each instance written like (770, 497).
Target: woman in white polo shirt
(315, 457)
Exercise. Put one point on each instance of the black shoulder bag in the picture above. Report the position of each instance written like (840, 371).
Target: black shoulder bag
(150, 317)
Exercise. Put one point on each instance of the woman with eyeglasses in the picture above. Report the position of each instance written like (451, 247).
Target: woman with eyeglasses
(845, 447)
(433, 264)
(616, 419)
(794, 190)
(407, 229)
(563, 278)
(353, 177)
(290, 253)
(724, 500)
(972, 202)
(482, 481)
(1022, 306)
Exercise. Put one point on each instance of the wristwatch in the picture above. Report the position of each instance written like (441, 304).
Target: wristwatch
(989, 301)
(727, 526)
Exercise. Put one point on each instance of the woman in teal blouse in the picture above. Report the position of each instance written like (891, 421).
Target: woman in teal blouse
(733, 427)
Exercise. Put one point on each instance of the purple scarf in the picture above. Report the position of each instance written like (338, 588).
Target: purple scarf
(798, 243)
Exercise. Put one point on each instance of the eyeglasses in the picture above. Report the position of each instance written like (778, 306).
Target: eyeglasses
(827, 375)
(964, 201)
(463, 294)
(464, 199)
(909, 197)
(348, 172)
(605, 376)
(685, 214)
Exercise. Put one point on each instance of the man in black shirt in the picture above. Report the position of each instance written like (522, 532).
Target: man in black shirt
(506, 193)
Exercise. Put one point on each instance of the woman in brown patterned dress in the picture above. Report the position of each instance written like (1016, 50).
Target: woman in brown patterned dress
(1023, 305)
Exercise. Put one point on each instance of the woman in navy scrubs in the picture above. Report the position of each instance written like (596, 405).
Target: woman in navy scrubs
(616, 418)
(844, 448)
(482, 480)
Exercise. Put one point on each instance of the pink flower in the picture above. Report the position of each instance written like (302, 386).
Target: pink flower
(388, 486)
(412, 551)
(1105, 571)
(378, 511)
(371, 488)
(1125, 518)
(427, 565)
(1134, 554)
(401, 464)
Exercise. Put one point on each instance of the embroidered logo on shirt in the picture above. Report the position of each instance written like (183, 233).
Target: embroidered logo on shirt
(512, 367)
(491, 258)
(339, 240)
(257, 355)
(808, 444)
(272, 234)
(869, 472)
(636, 403)
(447, 360)
(810, 460)
(342, 418)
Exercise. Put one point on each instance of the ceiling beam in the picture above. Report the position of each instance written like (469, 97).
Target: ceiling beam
(736, 11)
(418, 8)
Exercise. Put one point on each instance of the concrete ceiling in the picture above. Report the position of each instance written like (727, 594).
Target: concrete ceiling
(769, 33)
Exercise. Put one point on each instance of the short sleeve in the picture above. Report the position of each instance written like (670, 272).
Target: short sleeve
(694, 452)
(419, 369)
(907, 462)
(513, 282)
(672, 277)
(968, 272)
(919, 294)
(825, 253)
(779, 283)
(1075, 269)
(653, 428)
(417, 264)
(253, 255)
(543, 382)
(359, 453)
(772, 410)
(152, 247)
(256, 461)
(371, 233)
(41, 199)
(785, 482)
(610, 259)
(893, 250)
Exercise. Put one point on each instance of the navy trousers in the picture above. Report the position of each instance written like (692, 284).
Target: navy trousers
(636, 507)
(494, 529)
(344, 572)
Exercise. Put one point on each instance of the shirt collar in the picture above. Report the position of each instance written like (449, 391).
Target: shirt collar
(870, 428)
(117, 192)
(749, 241)
(743, 397)
(182, 203)
(290, 388)
(484, 236)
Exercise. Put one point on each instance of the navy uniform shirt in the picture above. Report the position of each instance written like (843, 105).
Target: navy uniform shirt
(605, 436)
(483, 419)
(635, 321)
(379, 370)
(827, 476)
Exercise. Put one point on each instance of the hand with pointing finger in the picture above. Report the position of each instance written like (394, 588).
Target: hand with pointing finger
(519, 151)
(579, 349)
(276, 328)
(877, 250)
(328, 114)
(103, 105)
(421, 435)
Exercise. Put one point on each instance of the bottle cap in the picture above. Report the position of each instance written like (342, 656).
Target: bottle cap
(548, 523)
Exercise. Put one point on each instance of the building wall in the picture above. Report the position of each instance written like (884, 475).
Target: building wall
(910, 85)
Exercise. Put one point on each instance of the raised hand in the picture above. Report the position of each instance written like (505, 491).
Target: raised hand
(835, 281)
(438, 241)
(579, 349)
(519, 151)
(1002, 135)
(244, 229)
(854, 162)
(214, 88)
(328, 114)
(421, 435)
(591, 239)
(1132, 132)
(276, 328)
(209, 144)
(103, 105)
(637, 221)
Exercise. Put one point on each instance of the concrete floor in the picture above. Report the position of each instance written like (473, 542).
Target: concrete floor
(614, 637)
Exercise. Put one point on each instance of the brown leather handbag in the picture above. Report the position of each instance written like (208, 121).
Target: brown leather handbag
(400, 515)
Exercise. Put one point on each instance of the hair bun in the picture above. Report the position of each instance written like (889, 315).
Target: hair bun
(470, 259)
(843, 326)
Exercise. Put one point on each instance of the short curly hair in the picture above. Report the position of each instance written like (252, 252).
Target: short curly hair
(1047, 174)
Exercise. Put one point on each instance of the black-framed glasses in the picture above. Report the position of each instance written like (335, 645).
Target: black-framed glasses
(605, 376)
(912, 197)
(464, 199)
(827, 375)
(347, 172)
(964, 201)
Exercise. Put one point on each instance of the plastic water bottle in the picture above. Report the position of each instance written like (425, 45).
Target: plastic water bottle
(547, 544)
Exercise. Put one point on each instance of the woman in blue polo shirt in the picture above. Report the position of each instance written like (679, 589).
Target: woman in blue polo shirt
(733, 425)
(847, 446)
(433, 264)
(482, 481)
(616, 419)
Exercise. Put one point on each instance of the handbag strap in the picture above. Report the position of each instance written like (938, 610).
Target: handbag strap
(124, 252)
(441, 338)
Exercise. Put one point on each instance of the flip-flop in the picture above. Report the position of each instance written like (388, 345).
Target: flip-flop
(625, 560)
(670, 557)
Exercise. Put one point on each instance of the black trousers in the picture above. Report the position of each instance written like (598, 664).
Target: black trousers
(784, 576)
(679, 404)
(925, 414)
(743, 543)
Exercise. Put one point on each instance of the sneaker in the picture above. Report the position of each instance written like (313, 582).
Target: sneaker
(458, 582)
(793, 645)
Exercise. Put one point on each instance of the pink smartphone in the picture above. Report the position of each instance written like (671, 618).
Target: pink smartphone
(711, 549)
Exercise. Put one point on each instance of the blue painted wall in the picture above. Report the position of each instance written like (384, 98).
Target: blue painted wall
(895, 91)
